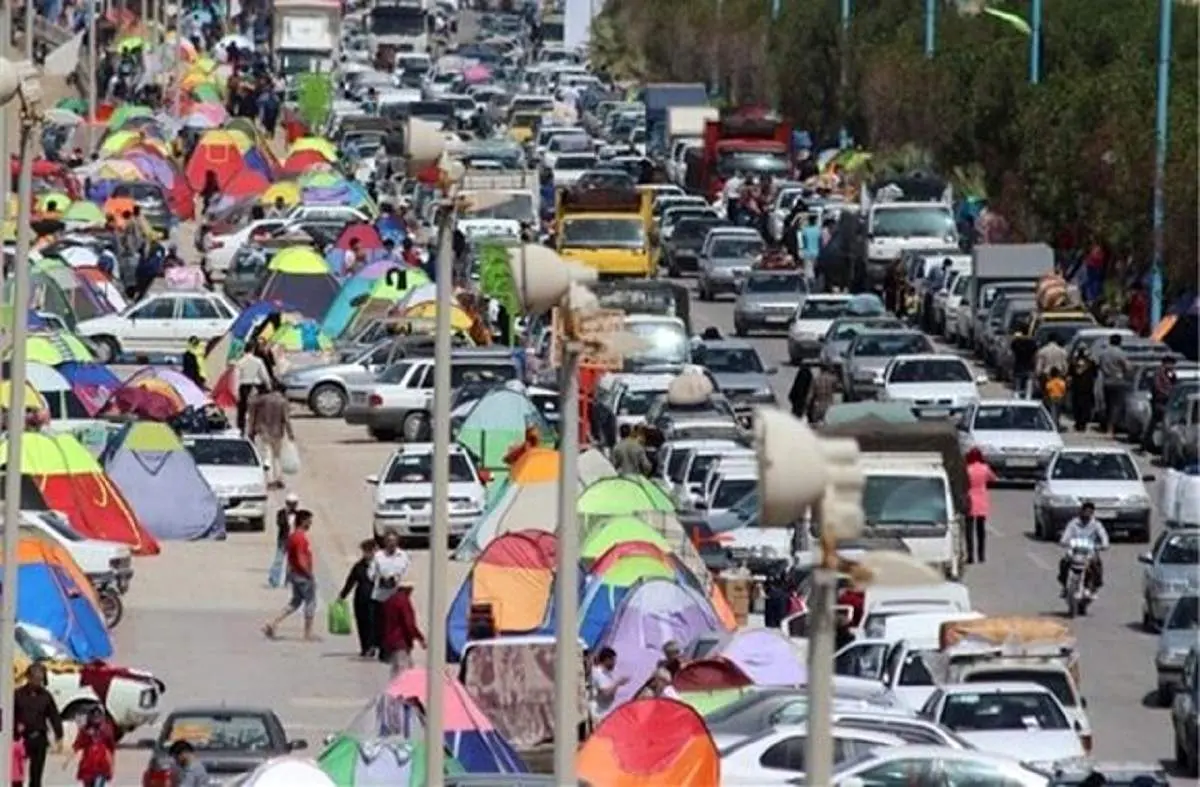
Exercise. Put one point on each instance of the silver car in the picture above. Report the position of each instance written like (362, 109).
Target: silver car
(869, 352)
(767, 300)
(1107, 477)
(1180, 633)
(1180, 437)
(1137, 409)
(726, 258)
(841, 335)
(323, 387)
(1170, 573)
(739, 372)
(1016, 437)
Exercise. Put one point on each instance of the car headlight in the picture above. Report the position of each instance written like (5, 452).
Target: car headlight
(667, 233)
(1047, 451)
(751, 307)
(764, 552)
(765, 393)
(1135, 501)
(1171, 656)
(1063, 501)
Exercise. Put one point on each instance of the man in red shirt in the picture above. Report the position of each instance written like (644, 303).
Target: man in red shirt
(300, 576)
(400, 630)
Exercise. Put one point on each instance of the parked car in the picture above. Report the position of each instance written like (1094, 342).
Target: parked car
(324, 388)
(1180, 633)
(236, 473)
(1107, 477)
(867, 355)
(739, 371)
(1137, 410)
(162, 322)
(226, 740)
(811, 321)
(1184, 709)
(403, 492)
(1180, 436)
(1174, 411)
(779, 755)
(932, 384)
(844, 330)
(1172, 570)
(97, 559)
(767, 300)
(680, 249)
(907, 765)
(726, 258)
(1015, 436)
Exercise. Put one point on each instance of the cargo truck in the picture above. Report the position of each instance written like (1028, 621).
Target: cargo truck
(606, 229)
(659, 99)
(999, 264)
(685, 128)
(398, 26)
(307, 35)
(742, 141)
(906, 213)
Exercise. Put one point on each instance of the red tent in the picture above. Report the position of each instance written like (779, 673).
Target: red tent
(221, 158)
(710, 675)
(624, 549)
(303, 161)
(246, 183)
(366, 235)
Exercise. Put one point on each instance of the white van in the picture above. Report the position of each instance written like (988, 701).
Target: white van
(882, 603)
(907, 496)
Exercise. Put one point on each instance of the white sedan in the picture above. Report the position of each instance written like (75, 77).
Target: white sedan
(1020, 720)
(934, 385)
(906, 765)
(219, 250)
(404, 492)
(162, 322)
(234, 471)
(779, 756)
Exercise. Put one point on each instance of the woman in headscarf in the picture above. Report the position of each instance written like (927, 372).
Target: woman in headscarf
(1082, 380)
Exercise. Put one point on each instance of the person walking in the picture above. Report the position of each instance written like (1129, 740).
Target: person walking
(285, 523)
(301, 577)
(1082, 379)
(193, 362)
(1054, 392)
(400, 631)
(1051, 355)
(250, 374)
(270, 425)
(36, 714)
(386, 571)
(979, 475)
(629, 454)
(823, 390)
(798, 395)
(96, 746)
(1160, 392)
(604, 684)
(1024, 352)
(358, 582)
(1115, 371)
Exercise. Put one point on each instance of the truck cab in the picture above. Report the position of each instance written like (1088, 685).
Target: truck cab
(908, 496)
(308, 35)
(399, 26)
(606, 229)
(743, 141)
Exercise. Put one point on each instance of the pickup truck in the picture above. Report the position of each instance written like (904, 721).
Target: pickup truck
(607, 229)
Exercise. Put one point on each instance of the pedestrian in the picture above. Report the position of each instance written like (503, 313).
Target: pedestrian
(386, 571)
(1050, 356)
(1160, 392)
(251, 374)
(409, 253)
(36, 713)
(604, 684)
(629, 454)
(400, 631)
(1115, 370)
(659, 685)
(1024, 352)
(358, 582)
(18, 756)
(1054, 392)
(210, 190)
(188, 770)
(270, 423)
(823, 390)
(96, 746)
(979, 475)
(285, 523)
(801, 386)
(672, 658)
(1081, 378)
(278, 209)
(193, 362)
(301, 577)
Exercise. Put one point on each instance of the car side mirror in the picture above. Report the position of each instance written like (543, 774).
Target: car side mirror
(297, 745)
(1149, 477)
(1078, 727)
(982, 379)
(1083, 702)
(372, 480)
(772, 370)
(1146, 558)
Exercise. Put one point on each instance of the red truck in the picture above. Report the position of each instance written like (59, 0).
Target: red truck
(747, 141)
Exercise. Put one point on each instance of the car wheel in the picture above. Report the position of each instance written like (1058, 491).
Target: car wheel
(1162, 697)
(327, 400)
(258, 524)
(415, 428)
(382, 435)
(739, 329)
(109, 349)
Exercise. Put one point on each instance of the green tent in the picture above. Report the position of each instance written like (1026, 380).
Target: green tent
(609, 533)
(706, 702)
(353, 762)
(625, 572)
(495, 423)
(623, 495)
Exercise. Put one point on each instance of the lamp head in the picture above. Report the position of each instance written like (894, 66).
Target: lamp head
(791, 470)
(423, 142)
(542, 278)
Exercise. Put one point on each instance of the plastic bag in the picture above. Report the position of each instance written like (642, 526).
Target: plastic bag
(338, 617)
(275, 574)
(289, 458)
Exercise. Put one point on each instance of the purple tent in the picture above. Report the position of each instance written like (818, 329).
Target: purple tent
(653, 613)
(768, 657)
(191, 394)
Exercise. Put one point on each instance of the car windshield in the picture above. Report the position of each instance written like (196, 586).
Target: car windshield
(418, 469)
(665, 343)
(574, 162)
(1021, 419)
(219, 732)
(931, 370)
(729, 360)
(890, 344)
(226, 453)
(673, 216)
(677, 464)
(782, 283)
(1185, 616)
(637, 402)
(904, 500)
(60, 525)
(1181, 549)
(583, 233)
(819, 309)
(518, 206)
(694, 231)
(1094, 467)
(994, 711)
(909, 222)
(740, 248)
(787, 199)
(731, 491)
(700, 467)
(1053, 681)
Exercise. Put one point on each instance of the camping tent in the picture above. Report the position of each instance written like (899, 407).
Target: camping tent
(616, 531)
(650, 741)
(470, 737)
(766, 655)
(287, 771)
(93, 383)
(710, 683)
(71, 481)
(191, 394)
(515, 575)
(61, 399)
(527, 498)
(300, 278)
(353, 761)
(605, 592)
(146, 458)
(621, 495)
(654, 612)
(53, 593)
(496, 422)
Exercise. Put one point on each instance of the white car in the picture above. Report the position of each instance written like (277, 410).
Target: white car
(568, 167)
(330, 213)
(907, 765)
(728, 483)
(235, 471)
(95, 558)
(934, 385)
(131, 697)
(162, 322)
(1015, 436)
(955, 308)
(814, 314)
(219, 250)
(779, 755)
(785, 200)
(1021, 720)
(404, 492)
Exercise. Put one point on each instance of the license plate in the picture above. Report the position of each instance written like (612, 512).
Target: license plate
(780, 320)
(938, 412)
(1022, 462)
(1106, 513)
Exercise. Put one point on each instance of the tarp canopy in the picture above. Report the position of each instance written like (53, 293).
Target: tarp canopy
(71, 481)
(146, 458)
(515, 575)
(650, 741)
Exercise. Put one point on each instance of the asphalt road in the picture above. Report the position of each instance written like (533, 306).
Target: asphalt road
(1020, 578)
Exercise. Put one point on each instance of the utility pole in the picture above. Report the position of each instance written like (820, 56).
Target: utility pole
(930, 27)
(844, 78)
(1035, 43)
(1162, 105)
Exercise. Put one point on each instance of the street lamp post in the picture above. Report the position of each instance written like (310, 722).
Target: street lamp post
(844, 76)
(15, 81)
(1035, 42)
(1162, 105)
(930, 27)
(5, 142)
(93, 64)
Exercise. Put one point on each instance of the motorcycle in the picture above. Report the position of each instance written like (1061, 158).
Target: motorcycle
(1080, 592)
(111, 605)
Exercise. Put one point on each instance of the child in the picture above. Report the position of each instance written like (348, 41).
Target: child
(1055, 391)
(18, 756)
(96, 744)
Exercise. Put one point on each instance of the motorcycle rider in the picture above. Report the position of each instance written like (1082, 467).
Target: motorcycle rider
(1086, 525)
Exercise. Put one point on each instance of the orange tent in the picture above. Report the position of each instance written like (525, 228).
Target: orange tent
(116, 207)
(649, 742)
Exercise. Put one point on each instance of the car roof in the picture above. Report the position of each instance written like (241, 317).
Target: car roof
(422, 449)
(229, 434)
(942, 356)
(222, 710)
(735, 230)
(728, 344)
(828, 296)
(1030, 403)
(999, 687)
(1093, 449)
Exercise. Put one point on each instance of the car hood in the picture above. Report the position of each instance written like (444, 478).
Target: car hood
(730, 264)
(1097, 489)
(223, 477)
(868, 363)
(811, 328)
(730, 382)
(425, 491)
(1172, 573)
(1015, 438)
(768, 300)
(956, 391)
(1035, 746)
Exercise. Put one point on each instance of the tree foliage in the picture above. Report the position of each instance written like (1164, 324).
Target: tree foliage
(1073, 154)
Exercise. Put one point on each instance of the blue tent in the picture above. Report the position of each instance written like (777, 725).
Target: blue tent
(159, 478)
(341, 312)
(48, 597)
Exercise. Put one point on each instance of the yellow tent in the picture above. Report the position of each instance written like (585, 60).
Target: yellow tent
(288, 190)
(459, 319)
